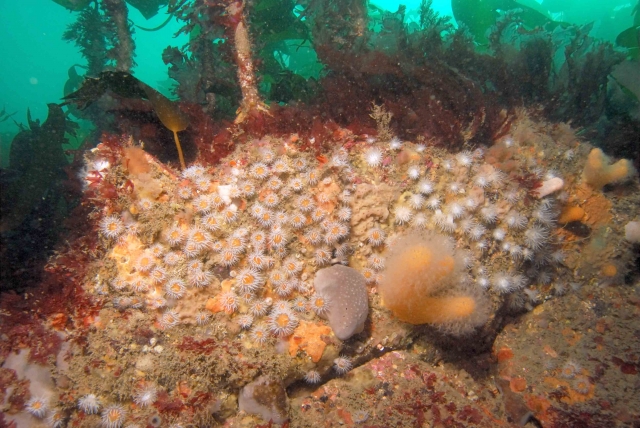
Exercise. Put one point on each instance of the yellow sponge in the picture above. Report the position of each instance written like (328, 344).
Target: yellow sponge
(599, 171)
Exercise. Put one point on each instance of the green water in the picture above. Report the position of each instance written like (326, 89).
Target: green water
(35, 60)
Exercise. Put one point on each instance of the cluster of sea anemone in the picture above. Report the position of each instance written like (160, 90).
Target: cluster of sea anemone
(502, 231)
(242, 241)
(251, 235)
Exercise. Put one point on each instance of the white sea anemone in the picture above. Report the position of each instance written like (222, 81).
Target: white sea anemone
(481, 180)
(312, 377)
(419, 221)
(416, 201)
(464, 158)
(499, 234)
(403, 214)
(455, 209)
(145, 396)
(425, 186)
(342, 365)
(535, 237)
(433, 202)
(373, 156)
(37, 406)
(413, 172)
(502, 283)
(489, 214)
(515, 220)
(395, 143)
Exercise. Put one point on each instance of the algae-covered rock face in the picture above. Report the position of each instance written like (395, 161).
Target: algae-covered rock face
(345, 291)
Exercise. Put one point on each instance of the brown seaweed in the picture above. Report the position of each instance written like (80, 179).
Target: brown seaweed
(127, 86)
(31, 197)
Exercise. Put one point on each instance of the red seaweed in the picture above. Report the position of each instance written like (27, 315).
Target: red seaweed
(626, 367)
(190, 344)
(165, 404)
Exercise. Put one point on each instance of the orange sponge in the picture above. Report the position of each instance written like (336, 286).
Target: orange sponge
(570, 213)
(599, 171)
(422, 284)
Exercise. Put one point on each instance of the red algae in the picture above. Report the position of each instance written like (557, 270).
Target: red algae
(25, 330)
(206, 346)
(626, 367)
(167, 405)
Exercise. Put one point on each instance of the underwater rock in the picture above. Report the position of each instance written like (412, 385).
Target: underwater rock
(265, 397)
(346, 293)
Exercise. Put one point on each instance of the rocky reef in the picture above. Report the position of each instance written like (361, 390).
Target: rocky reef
(197, 297)
(424, 234)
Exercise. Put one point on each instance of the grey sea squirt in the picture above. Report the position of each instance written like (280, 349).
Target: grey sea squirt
(347, 302)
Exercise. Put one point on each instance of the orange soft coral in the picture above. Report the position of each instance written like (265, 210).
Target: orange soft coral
(422, 284)
(599, 171)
